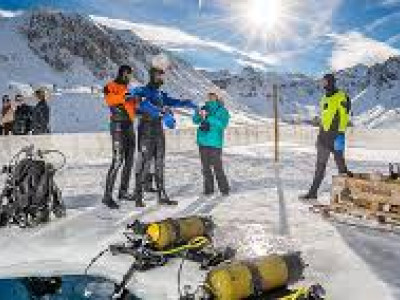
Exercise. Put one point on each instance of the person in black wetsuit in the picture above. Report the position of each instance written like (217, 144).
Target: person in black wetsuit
(155, 112)
(122, 114)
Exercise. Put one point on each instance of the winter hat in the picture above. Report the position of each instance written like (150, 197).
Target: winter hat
(124, 68)
(161, 62)
(217, 92)
(331, 86)
(330, 77)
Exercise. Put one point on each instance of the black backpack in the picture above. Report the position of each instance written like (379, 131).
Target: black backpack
(30, 193)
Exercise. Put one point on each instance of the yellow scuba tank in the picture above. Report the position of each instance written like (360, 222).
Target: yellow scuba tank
(240, 280)
(169, 232)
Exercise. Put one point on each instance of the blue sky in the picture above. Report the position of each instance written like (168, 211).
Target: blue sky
(309, 36)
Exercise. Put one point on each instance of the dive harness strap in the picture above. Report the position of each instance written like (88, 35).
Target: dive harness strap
(256, 279)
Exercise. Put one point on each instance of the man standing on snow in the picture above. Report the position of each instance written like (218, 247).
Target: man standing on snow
(335, 109)
(41, 113)
(22, 116)
(122, 114)
(213, 118)
(155, 110)
(7, 115)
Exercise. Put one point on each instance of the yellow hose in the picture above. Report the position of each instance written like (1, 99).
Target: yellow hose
(298, 293)
(195, 243)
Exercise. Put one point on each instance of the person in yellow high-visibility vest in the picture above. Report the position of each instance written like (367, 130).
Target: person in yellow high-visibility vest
(335, 108)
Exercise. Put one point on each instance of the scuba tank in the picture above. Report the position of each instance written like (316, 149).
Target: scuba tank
(171, 232)
(244, 279)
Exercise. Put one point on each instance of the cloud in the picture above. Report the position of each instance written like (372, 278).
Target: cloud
(247, 63)
(390, 2)
(353, 48)
(9, 14)
(175, 39)
(382, 21)
(393, 39)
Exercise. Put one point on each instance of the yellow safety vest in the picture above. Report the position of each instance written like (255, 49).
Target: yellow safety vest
(332, 105)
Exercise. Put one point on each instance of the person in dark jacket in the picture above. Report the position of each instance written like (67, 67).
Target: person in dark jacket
(7, 116)
(335, 109)
(213, 118)
(155, 109)
(22, 117)
(122, 114)
(41, 113)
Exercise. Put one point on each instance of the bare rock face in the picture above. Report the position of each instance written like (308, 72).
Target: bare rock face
(61, 38)
(69, 41)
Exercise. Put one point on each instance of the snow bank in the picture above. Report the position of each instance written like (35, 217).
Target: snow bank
(82, 147)
(255, 219)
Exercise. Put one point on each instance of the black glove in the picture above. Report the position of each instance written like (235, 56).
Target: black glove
(204, 126)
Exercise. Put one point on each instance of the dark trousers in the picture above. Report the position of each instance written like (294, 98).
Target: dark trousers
(7, 128)
(323, 154)
(123, 152)
(211, 163)
(152, 148)
(150, 174)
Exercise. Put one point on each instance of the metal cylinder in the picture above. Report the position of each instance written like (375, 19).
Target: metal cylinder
(170, 232)
(240, 280)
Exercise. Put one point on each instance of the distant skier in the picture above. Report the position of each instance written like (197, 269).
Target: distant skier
(155, 110)
(22, 117)
(122, 114)
(335, 109)
(41, 113)
(213, 118)
(7, 116)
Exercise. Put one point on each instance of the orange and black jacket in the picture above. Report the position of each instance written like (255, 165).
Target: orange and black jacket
(121, 109)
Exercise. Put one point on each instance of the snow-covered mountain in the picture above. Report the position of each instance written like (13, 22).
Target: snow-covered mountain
(73, 53)
(68, 50)
(375, 92)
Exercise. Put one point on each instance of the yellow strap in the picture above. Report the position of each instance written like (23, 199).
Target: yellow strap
(300, 292)
(194, 243)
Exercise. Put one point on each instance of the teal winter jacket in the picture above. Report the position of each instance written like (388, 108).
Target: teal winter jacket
(217, 119)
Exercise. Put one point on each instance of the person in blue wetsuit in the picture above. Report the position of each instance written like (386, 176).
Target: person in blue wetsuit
(155, 114)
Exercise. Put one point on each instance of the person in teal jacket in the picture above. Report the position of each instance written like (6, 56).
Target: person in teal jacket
(212, 120)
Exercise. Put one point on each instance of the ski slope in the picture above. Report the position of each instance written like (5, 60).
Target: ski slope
(261, 216)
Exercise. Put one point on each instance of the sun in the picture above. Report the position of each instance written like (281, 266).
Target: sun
(265, 23)
(263, 14)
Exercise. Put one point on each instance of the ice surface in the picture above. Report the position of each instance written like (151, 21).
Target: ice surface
(351, 264)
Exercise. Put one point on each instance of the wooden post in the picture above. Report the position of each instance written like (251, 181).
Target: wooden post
(276, 135)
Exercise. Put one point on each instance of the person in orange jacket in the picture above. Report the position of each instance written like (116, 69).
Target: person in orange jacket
(122, 114)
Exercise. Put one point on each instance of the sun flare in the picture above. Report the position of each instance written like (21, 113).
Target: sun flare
(263, 14)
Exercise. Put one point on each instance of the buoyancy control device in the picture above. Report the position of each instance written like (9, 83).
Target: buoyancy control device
(154, 244)
(30, 193)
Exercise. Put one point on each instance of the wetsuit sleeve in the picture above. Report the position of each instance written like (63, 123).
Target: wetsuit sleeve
(134, 94)
(146, 107)
(46, 114)
(173, 102)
